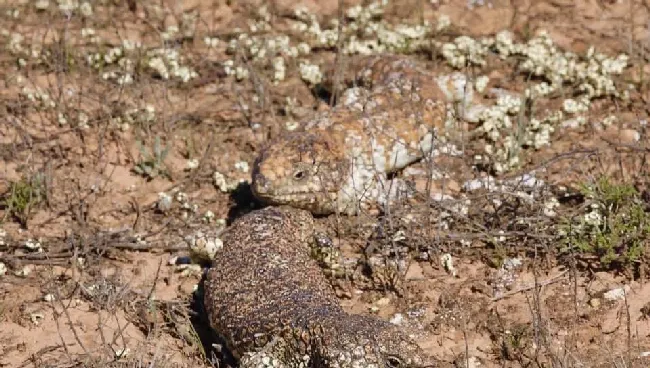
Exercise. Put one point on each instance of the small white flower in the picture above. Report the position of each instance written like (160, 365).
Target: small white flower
(208, 216)
(310, 73)
(572, 106)
(131, 45)
(181, 197)
(241, 73)
(279, 69)
(125, 79)
(82, 119)
(86, 9)
(242, 166)
(443, 22)
(304, 48)
(222, 183)
(87, 32)
(550, 206)
(593, 218)
(158, 65)
(192, 164)
(211, 42)
(609, 120)
(171, 31)
(164, 202)
(500, 238)
(291, 125)
(42, 4)
(481, 83)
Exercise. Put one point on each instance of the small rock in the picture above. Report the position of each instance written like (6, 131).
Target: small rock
(440, 197)
(482, 183)
(383, 302)
(122, 353)
(36, 318)
(473, 113)
(189, 269)
(629, 136)
(571, 123)
(594, 303)
(192, 164)
(34, 246)
(25, 271)
(617, 294)
(512, 263)
(622, 136)
(397, 319)
(473, 362)
(164, 202)
(527, 180)
(448, 263)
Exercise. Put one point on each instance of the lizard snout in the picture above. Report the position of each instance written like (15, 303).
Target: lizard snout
(260, 184)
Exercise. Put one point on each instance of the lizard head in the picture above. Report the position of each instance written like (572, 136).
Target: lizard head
(366, 341)
(300, 169)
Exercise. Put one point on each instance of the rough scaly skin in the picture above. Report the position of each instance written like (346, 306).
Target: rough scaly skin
(340, 159)
(275, 308)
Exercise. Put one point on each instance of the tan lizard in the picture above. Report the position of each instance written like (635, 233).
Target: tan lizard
(275, 308)
(340, 159)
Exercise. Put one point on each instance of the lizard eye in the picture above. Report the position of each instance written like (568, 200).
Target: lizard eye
(393, 362)
(299, 175)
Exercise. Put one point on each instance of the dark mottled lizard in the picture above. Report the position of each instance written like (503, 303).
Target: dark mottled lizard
(275, 308)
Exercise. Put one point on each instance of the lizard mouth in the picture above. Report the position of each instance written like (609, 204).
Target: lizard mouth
(296, 199)
(315, 202)
(263, 189)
